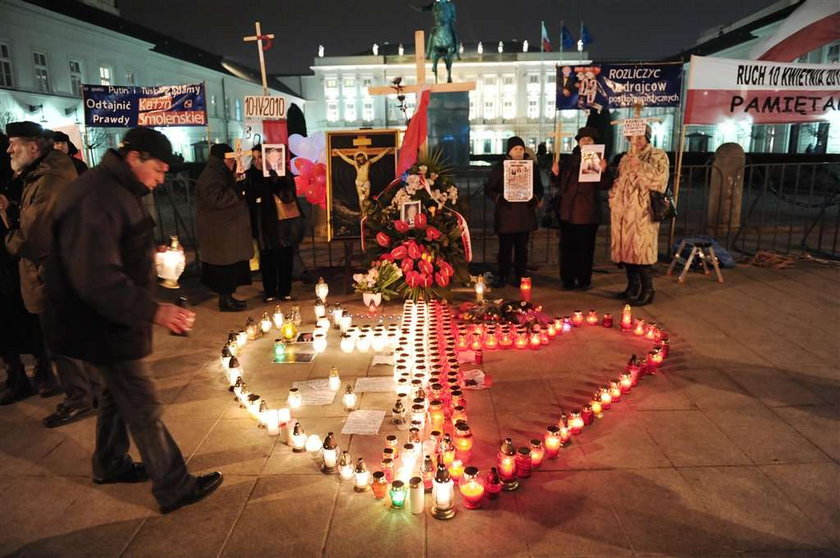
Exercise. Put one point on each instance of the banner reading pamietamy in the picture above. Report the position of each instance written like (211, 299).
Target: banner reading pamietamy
(721, 89)
(599, 86)
(112, 106)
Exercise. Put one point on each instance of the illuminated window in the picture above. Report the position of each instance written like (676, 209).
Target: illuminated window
(104, 75)
(332, 112)
(5, 66)
(42, 73)
(76, 78)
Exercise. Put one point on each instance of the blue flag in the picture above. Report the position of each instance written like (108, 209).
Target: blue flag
(585, 37)
(567, 40)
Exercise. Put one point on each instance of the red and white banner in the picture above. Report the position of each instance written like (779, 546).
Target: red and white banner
(721, 89)
(811, 25)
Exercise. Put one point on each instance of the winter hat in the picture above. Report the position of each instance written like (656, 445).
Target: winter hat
(514, 141)
(146, 140)
(26, 129)
(220, 149)
(587, 132)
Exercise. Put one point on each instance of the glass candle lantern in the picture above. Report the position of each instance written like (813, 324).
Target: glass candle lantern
(345, 466)
(634, 369)
(319, 309)
(587, 415)
(507, 465)
(170, 263)
(493, 483)
(336, 313)
(551, 441)
(427, 470)
(456, 470)
(265, 323)
(279, 350)
(567, 324)
(295, 399)
(398, 493)
(322, 289)
(363, 343)
(361, 476)
(295, 316)
(472, 489)
(334, 379)
(463, 439)
(625, 381)
(565, 434)
(330, 454)
(447, 450)
(592, 318)
(639, 328)
(234, 370)
(298, 438)
(525, 289)
(319, 343)
(534, 341)
(615, 391)
(271, 419)
(349, 398)
(399, 415)
(479, 289)
(443, 494)
(323, 324)
(436, 416)
(575, 423)
(388, 468)
(289, 330)
(626, 323)
(537, 453)
(521, 341)
(346, 322)
(597, 408)
(651, 332)
(277, 317)
(241, 338)
(347, 343)
(606, 399)
(607, 320)
(313, 443)
(577, 318)
(459, 414)
(523, 463)
(417, 495)
(379, 484)
(252, 329)
(551, 330)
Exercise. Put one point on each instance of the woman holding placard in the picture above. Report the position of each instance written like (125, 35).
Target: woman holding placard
(634, 233)
(579, 207)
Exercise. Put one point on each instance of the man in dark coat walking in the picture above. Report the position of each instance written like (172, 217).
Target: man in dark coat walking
(223, 226)
(100, 282)
(513, 221)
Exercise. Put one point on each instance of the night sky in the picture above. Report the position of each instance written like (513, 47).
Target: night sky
(621, 30)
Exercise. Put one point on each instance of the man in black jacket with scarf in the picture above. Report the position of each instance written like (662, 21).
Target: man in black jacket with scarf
(100, 277)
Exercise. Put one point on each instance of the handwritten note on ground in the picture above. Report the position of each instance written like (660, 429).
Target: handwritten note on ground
(379, 384)
(363, 422)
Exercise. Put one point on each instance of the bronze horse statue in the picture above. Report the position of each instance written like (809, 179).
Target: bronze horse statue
(443, 40)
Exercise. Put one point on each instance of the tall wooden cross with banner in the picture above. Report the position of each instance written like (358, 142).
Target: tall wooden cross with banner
(261, 47)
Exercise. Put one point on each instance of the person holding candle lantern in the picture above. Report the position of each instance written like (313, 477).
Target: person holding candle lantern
(100, 278)
(634, 234)
(580, 213)
(513, 221)
(223, 226)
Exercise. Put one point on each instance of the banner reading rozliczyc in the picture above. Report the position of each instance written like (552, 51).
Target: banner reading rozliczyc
(760, 92)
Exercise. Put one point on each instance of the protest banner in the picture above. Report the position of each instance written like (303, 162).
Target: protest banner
(721, 89)
(612, 86)
(108, 106)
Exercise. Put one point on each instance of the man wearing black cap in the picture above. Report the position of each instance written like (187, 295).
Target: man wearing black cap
(223, 226)
(46, 172)
(61, 141)
(100, 282)
(580, 213)
(513, 221)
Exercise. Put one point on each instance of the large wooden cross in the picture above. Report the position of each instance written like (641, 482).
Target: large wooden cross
(238, 153)
(420, 75)
(637, 115)
(259, 38)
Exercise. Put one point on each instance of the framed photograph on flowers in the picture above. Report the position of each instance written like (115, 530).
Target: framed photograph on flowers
(409, 212)
(360, 165)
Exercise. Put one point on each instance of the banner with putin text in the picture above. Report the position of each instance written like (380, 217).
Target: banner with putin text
(111, 106)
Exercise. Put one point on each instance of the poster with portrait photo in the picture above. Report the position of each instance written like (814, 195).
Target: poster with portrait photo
(590, 162)
(274, 159)
(409, 212)
(360, 165)
(518, 180)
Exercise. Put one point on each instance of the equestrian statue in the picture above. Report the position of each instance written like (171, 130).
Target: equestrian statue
(443, 40)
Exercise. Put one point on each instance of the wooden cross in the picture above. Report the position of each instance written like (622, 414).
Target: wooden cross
(558, 135)
(238, 153)
(259, 37)
(420, 74)
(637, 114)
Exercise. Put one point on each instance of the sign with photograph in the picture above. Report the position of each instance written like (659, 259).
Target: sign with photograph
(265, 108)
(590, 162)
(360, 164)
(633, 127)
(109, 106)
(274, 159)
(518, 180)
(612, 86)
(409, 212)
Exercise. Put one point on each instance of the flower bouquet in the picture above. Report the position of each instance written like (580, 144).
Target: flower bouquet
(380, 280)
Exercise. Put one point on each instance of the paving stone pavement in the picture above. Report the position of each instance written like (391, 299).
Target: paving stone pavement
(732, 449)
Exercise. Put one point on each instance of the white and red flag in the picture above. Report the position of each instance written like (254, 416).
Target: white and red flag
(721, 89)
(811, 25)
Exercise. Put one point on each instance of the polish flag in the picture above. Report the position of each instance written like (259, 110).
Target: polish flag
(811, 25)
(415, 134)
(545, 41)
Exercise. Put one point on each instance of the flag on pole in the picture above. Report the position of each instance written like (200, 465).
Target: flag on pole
(415, 134)
(811, 25)
(566, 39)
(585, 37)
(546, 43)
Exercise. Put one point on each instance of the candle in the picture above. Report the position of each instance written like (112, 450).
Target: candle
(552, 442)
(379, 484)
(575, 423)
(337, 312)
(463, 439)
(334, 379)
(349, 398)
(288, 330)
(506, 340)
(398, 494)
(319, 343)
(537, 453)
(297, 439)
(565, 435)
(345, 466)
(447, 450)
(491, 343)
(313, 443)
(507, 465)
(361, 477)
(347, 343)
(346, 321)
(597, 408)
(592, 318)
(577, 318)
(271, 420)
(521, 341)
(456, 470)
(319, 309)
(615, 392)
(234, 370)
(277, 317)
(322, 289)
(428, 472)
(651, 332)
(443, 494)
(472, 490)
(626, 318)
(567, 324)
(523, 463)
(639, 329)
(417, 495)
(606, 399)
(295, 399)
(634, 369)
(587, 415)
(479, 289)
(265, 323)
(493, 483)
(330, 454)
(552, 330)
(525, 289)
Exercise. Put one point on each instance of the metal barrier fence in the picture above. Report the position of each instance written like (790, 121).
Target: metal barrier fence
(785, 207)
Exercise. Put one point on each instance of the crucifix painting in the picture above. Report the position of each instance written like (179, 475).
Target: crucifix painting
(360, 165)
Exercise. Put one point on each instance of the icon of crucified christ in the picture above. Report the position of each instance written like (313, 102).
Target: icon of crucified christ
(362, 161)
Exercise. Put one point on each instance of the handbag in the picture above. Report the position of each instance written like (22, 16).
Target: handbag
(286, 210)
(662, 206)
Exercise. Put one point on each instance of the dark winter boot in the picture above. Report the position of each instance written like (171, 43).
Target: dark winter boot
(228, 304)
(646, 296)
(634, 283)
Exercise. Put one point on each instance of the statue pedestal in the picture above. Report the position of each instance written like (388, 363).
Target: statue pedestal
(449, 126)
